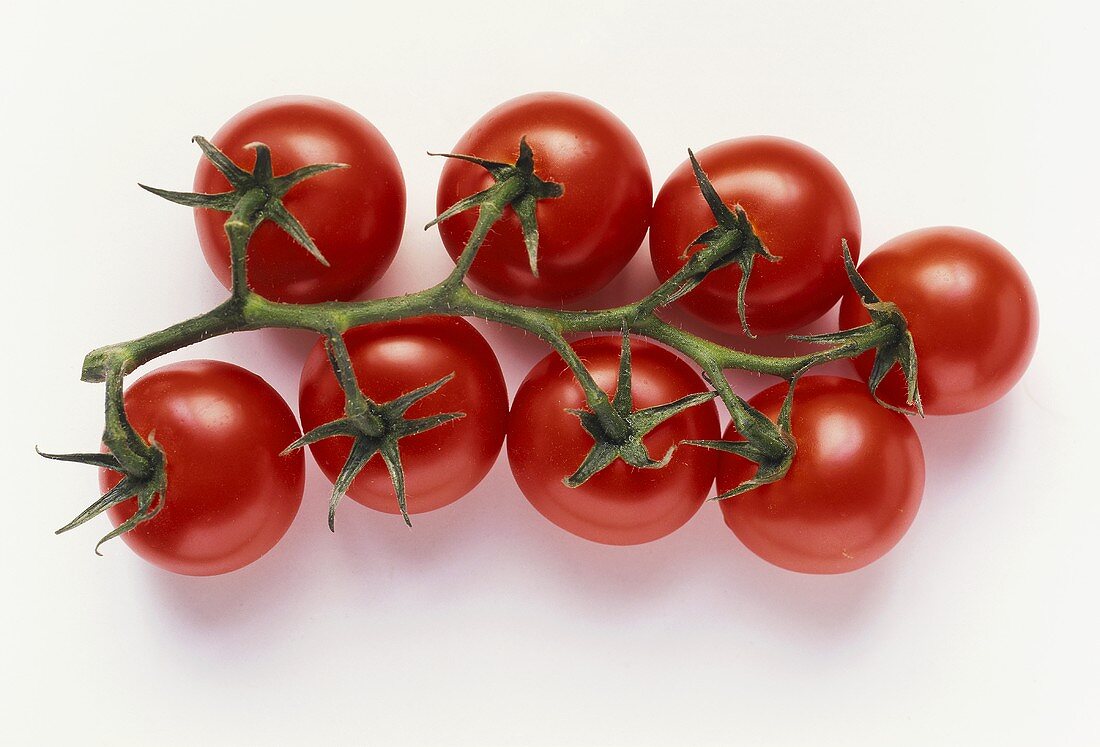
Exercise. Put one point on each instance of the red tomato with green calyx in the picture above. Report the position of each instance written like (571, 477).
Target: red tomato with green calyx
(851, 492)
(230, 494)
(799, 206)
(970, 307)
(621, 505)
(587, 235)
(355, 215)
(390, 359)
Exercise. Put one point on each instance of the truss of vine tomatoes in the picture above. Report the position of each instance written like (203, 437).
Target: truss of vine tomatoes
(619, 425)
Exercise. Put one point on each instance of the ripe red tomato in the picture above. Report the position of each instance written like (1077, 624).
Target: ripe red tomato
(354, 215)
(587, 235)
(851, 492)
(621, 505)
(970, 307)
(391, 358)
(799, 205)
(230, 495)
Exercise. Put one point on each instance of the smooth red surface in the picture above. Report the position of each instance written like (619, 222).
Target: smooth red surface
(971, 309)
(851, 493)
(354, 215)
(799, 205)
(621, 505)
(390, 359)
(230, 497)
(587, 235)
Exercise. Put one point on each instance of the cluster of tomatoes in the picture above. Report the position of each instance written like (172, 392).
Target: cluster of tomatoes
(856, 479)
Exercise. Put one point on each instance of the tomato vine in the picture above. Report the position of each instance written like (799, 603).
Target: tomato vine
(615, 427)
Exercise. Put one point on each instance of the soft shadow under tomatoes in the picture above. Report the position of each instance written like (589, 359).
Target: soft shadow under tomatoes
(230, 494)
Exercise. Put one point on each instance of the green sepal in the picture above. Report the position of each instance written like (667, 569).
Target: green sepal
(277, 213)
(514, 185)
(237, 177)
(768, 444)
(475, 200)
(223, 201)
(243, 182)
(639, 423)
(768, 470)
(93, 459)
(375, 429)
(896, 350)
(733, 239)
(149, 489)
(150, 503)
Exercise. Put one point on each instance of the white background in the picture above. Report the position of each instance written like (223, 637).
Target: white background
(486, 625)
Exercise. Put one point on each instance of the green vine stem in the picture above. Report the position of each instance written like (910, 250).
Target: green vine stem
(256, 197)
(254, 312)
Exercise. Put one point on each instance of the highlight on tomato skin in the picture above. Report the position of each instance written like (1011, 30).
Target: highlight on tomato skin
(853, 488)
(231, 495)
(970, 307)
(588, 234)
(799, 205)
(391, 359)
(355, 215)
(621, 505)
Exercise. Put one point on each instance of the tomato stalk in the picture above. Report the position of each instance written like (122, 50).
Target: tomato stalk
(616, 428)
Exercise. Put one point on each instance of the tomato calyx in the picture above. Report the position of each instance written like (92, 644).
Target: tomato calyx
(768, 444)
(514, 185)
(255, 196)
(887, 333)
(147, 485)
(141, 463)
(732, 240)
(626, 441)
(376, 428)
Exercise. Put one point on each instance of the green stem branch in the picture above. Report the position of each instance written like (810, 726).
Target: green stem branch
(256, 312)
(246, 310)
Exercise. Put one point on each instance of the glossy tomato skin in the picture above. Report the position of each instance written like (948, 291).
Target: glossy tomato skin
(851, 493)
(971, 309)
(230, 495)
(392, 358)
(587, 235)
(799, 205)
(354, 215)
(621, 505)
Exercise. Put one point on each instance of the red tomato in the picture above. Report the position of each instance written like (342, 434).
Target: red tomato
(230, 495)
(355, 215)
(851, 492)
(800, 207)
(392, 358)
(621, 505)
(970, 307)
(587, 235)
